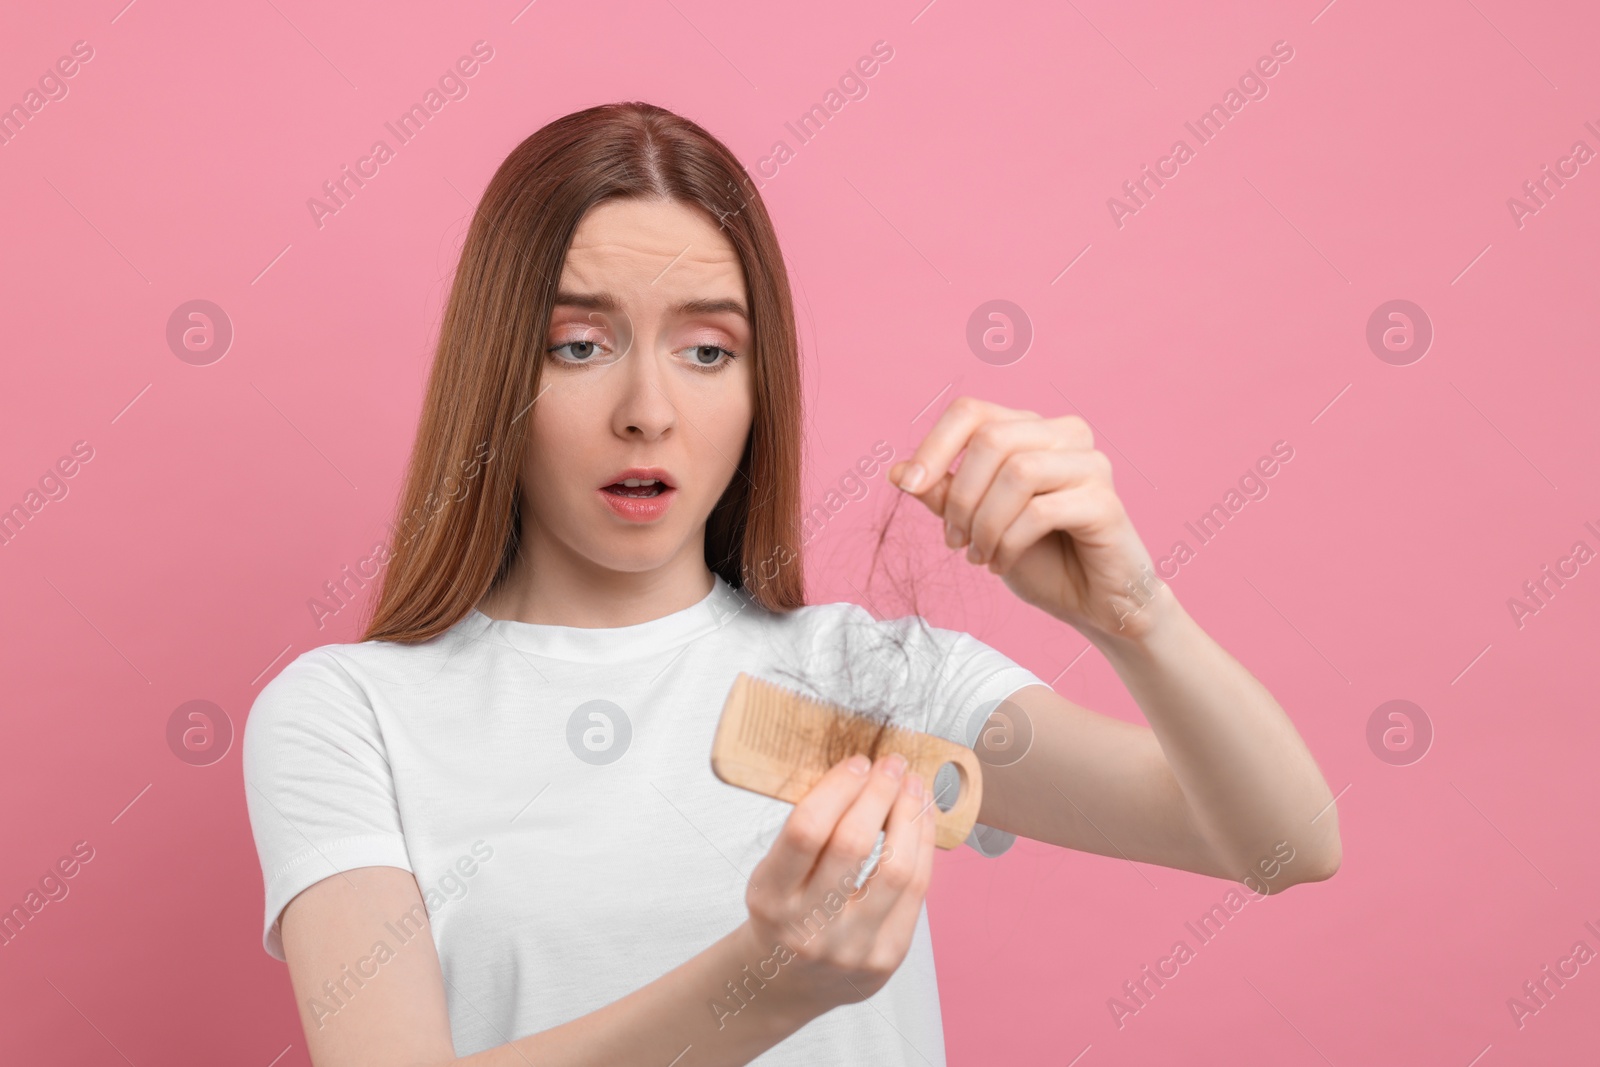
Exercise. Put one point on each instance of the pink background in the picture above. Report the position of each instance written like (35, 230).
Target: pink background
(1229, 313)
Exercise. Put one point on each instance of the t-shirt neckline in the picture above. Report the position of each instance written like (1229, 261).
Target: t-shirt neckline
(596, 644)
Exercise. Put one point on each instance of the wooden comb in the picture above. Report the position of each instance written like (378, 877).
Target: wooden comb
(770, 740)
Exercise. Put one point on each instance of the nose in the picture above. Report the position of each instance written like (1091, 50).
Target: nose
(644, 409)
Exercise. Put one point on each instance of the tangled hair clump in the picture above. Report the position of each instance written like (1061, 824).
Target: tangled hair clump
(883, 668)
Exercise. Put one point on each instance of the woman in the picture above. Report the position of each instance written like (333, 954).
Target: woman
(489, 832)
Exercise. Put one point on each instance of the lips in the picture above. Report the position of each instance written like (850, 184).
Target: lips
(646, 500)
(640, 483)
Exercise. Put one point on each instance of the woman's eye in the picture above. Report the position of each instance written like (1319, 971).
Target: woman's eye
(708, 355)
(576, 353)
(582, 351)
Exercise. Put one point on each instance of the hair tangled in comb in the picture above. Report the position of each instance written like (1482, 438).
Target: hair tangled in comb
(884, 669)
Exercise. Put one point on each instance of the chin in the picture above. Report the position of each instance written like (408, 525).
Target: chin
(633, 563)
(631, 551)
(616, 544)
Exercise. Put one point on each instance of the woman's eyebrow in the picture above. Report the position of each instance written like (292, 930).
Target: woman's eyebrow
(606, 302)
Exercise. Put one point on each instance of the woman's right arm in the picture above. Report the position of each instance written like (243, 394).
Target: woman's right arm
(398, 1018)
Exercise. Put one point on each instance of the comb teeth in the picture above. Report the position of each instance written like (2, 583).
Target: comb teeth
(773, 696)
(771, 740)
(769, 725)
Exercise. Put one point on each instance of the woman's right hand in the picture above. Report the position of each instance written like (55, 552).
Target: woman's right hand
(840, 944)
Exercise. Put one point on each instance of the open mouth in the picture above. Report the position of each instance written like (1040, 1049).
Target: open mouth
(636, 487)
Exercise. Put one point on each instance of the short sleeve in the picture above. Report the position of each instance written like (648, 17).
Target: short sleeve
(317, 784)
(943, 682)
(977, 679)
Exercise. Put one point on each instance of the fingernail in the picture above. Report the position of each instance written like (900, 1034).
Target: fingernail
(914, 785)
(973, 555)
(858, 764)
(911, 478)
(950, 538)
(895, 765)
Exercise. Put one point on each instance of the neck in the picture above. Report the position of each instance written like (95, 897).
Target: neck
(550, 584)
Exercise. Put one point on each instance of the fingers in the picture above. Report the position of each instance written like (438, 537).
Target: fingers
(811, 824)
(1021, 480)
(984, 436)
(848, 939)
(932, 497)
(908, 873)
(1080, 510)
(911, 827)
(948, 437)
(857, 832)
(1018, 453)
(909, 832)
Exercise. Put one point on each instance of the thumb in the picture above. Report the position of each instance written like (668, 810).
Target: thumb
(933, 496)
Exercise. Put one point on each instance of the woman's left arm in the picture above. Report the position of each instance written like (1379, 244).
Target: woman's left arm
(1220, 782)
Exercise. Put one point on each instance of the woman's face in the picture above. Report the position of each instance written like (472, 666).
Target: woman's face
(647, 374)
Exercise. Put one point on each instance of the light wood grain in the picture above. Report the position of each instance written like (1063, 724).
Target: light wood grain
(770, 740)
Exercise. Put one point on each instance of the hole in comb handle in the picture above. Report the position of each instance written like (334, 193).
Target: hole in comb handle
(947, 786)
(779, 758)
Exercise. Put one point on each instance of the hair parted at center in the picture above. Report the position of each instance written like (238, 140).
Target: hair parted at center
(456, 533)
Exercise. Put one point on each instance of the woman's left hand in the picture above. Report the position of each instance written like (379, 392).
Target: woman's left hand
(1033, 500)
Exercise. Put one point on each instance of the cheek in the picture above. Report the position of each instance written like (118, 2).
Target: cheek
(713, 435)
(733, 419)
(555, 446)
(718, 412)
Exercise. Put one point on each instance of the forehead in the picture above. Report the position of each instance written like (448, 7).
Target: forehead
(651, 252)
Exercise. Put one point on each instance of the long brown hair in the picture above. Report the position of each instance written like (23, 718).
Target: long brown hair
(460, 510)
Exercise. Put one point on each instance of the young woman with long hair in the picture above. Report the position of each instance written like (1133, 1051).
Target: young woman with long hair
(489, 831)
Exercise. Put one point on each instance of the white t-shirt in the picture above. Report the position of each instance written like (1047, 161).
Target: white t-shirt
(550, 788)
